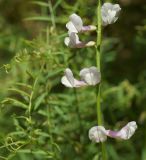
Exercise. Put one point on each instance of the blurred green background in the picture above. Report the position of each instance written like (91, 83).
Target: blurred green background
(39, 117)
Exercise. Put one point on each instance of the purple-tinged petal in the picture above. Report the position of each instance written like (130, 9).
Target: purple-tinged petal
(76, 25)
(73, 41)
(125, 133)
(78, 83)
(68, 80)
(88, 28)
(85, 44)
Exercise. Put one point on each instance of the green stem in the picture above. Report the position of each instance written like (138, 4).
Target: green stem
(78, 110)
(98, 52)
(50, 126)
(52, 14)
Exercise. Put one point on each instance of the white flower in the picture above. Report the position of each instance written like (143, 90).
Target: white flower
(76, 24)
(100, 134)
(109, 13)
(97, 134)
(89, 76)
(69, 81)
(125, 133)
(73, 41)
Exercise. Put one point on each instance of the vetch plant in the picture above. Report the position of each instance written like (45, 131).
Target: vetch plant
(89, 76)
(99, 133)
(106, 14)
(44, 121)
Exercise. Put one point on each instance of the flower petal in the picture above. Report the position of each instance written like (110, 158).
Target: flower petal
(77, 21)
(125, 133)
(107, 6)
(67, 41)
(79, 83)
(90, 75)
(68, 79)
(88, 28)
(66, 82)
(128, 131)
(72, 40)
(116, 7)
(90, 44)
(97, 134)
(70, 26)
(109, 13)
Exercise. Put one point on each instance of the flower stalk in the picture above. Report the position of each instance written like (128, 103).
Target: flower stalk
(98, 54)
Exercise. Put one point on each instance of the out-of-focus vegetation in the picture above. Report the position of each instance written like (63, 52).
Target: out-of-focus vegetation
(40, 118)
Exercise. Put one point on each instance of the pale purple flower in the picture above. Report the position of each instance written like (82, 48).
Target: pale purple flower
(76, 25)
(99, 133)
(89, 76)
(125, 133)
(109, 13)
(69, 81)
(73, 41)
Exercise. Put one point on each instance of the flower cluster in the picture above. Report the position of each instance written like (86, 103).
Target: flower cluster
(91, 76)
(75, 26)
(109, 15)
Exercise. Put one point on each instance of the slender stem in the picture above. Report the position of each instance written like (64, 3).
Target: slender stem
(99, 114)
(50, 126)
(98, 48)
(78, 110)
(52, 14)
(98, 52)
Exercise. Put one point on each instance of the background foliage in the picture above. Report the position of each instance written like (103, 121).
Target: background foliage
(40, 118)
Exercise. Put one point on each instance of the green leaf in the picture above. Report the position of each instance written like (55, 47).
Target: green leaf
(38, 18)
(39, 101)
(23, 85)
(15, 102)
(57, 4)
(43, 4)
(19, 91)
